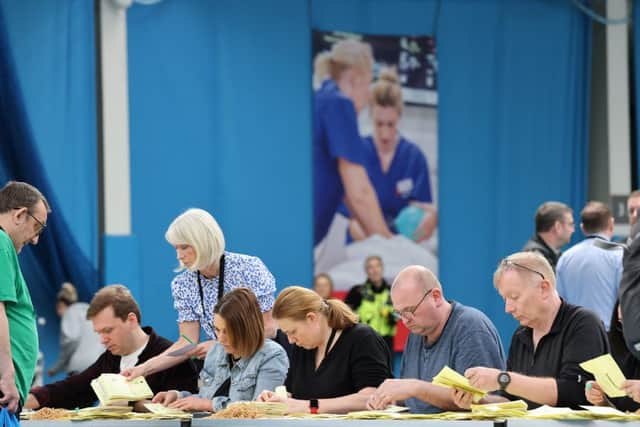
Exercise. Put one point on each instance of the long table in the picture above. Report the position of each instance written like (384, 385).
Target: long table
(319, 422)
(305, 422)
(107, 423)
(521, 422)
(272, 422)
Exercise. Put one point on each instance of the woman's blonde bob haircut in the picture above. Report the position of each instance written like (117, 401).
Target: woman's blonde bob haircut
(198, 229)
(295, 302)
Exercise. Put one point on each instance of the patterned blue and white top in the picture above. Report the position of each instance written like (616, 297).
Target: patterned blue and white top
(239, 271)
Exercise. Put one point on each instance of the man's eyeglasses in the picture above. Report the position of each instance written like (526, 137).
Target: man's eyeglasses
(407, 313)
(42, 224)
(507, 263)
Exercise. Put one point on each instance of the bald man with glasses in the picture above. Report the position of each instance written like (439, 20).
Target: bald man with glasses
(443, 333)
(553, 338)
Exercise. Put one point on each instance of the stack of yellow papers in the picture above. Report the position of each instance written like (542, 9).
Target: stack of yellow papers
(607, 373)
(390, 412)
(102, 412)
(608, 413)
(516, 408)
(552, 413)
(114, 388)
(159, 411)
(447, 377)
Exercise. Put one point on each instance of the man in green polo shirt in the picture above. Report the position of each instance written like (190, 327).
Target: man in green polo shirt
(23, 216)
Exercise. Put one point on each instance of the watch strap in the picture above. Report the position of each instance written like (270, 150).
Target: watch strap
(313, 406)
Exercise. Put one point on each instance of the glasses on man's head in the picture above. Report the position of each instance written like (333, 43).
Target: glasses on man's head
(407, 313)
(510, 264)
(42, 224)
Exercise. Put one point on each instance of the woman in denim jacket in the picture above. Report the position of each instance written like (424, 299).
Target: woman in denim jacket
(241, 363)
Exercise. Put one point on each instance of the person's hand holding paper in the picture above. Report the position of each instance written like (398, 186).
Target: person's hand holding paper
(607, 373)
(632, 389)
(447, 377)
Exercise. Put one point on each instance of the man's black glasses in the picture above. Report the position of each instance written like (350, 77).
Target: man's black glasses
(508, 264)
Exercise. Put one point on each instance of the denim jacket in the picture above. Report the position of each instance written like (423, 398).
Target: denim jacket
(265, 370)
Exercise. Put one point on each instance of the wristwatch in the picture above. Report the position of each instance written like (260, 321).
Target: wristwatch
(503, 380)
(313, 406)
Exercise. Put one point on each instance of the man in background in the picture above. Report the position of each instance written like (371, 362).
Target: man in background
(633, 207)
(586, 275)
(372, 301)
(23, 216)
(554, 227)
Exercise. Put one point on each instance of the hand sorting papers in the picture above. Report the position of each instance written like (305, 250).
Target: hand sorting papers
(112, 388)
(447, 377)
(607, 373)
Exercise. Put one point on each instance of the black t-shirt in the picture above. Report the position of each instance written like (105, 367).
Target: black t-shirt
(577, 335)
(359, 359)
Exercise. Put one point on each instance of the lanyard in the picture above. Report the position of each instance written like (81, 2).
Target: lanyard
(220, 285)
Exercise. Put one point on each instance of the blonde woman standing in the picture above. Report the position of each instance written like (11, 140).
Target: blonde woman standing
(206, 273)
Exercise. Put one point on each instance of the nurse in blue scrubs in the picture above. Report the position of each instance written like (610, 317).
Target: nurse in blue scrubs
(397, 168)
(339, 155)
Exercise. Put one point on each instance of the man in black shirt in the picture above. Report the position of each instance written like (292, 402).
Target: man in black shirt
(554, 337)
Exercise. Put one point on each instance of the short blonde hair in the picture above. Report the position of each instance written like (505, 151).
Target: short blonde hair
(295, 302)
(345, 54)
(198, 229)
(528, 265)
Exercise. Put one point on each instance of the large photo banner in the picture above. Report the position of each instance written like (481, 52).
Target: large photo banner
(375, 154)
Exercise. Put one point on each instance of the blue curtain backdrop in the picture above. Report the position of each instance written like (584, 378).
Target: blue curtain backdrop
(47, 134)
(220, 118)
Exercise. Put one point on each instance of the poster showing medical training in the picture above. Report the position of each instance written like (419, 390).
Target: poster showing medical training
(375, 153)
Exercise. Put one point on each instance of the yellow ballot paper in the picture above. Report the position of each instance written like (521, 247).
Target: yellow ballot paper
(511, 409)
(604, 411)
(111, 388)
(607, 373)
(447, 377)
(162, 411)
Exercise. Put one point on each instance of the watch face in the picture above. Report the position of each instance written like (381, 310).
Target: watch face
(504, 379)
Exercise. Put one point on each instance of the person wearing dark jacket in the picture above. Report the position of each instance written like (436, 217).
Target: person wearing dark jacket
(116, 318)
(554, 227)
(629, 365)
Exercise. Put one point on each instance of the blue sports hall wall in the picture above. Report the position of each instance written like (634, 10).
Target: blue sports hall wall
(220, 119)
